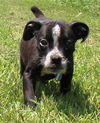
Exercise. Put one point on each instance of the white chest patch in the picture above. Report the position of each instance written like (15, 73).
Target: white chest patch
(55, 34)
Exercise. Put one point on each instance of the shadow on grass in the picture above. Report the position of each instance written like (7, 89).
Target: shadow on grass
(74, 102)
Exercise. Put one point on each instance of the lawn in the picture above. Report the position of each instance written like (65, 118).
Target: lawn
(82, 104)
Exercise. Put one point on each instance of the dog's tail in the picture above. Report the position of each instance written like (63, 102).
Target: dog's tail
(37, 12)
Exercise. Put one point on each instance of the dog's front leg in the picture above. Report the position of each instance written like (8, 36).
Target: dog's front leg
(65, 83)
(29, 88)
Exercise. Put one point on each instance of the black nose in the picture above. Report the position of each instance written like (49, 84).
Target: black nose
(56, 60)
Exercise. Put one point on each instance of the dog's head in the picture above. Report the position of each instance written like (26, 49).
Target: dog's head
(55, 41)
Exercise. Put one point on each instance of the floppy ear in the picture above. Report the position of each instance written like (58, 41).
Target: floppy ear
(30, 29)
(81, 30)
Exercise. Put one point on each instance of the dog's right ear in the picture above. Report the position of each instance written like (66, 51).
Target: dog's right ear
(30, 29)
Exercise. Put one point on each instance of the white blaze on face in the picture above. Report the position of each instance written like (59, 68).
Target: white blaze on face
(56, 31)
(55, 34)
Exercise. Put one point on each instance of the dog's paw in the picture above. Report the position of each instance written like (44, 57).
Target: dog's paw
(31, 102)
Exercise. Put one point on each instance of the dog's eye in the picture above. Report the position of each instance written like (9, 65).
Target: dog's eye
(69, 44)
(43, 43)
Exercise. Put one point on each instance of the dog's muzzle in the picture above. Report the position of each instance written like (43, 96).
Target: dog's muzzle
(55, 65)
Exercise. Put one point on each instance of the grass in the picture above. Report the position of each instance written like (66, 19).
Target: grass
(82, 104)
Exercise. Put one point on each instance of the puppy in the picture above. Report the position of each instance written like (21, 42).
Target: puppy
(46, 50)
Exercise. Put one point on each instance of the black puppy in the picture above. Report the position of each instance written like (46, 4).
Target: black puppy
(47, 48)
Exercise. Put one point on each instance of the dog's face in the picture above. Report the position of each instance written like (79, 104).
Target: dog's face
(56, 42)
(53, 40)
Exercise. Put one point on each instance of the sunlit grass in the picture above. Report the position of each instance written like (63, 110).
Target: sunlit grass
(82, 104)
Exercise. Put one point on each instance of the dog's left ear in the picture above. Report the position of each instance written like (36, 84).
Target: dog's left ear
(81, 30)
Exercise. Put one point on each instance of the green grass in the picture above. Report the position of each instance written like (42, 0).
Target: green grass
(82, 104)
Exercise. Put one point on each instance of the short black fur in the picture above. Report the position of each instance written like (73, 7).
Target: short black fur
(31, 52)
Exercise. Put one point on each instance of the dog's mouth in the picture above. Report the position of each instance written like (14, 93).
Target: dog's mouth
(54, 69)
